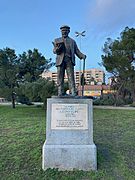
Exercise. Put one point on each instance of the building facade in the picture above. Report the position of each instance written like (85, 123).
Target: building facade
(95, 90)
(92, 76)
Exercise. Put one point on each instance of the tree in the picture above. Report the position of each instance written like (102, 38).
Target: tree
(15, 70)
(118, 59)
(32, 64)
(8, 73)
(39, 90)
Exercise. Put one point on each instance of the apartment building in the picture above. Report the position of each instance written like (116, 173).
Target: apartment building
(92, 76)
(96, 75)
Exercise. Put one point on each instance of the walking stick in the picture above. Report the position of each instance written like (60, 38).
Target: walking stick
(83, 78)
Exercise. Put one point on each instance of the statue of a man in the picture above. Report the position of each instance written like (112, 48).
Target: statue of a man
(66, 48)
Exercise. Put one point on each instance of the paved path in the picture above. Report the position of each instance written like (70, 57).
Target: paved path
(114, 107)
(9, 103)
(5, 103)
(98, 107)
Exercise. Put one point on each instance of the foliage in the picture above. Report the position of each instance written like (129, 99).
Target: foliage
(23, 134)
(83, 80)
(111, 101)
(8, 73)
(92, 81)
(104, 101)
(32, 64)
(18, 71)
(133, 105)
(48, 88)
(39, 90)
(8, 68)
(119, 61)
(23, 99)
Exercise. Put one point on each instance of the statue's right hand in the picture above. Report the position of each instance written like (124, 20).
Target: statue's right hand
(53, 44)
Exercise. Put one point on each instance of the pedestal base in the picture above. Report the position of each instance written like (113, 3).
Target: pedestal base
(69, 135)
(69, 157)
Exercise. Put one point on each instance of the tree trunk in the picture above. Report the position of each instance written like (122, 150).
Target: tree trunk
(13, 99)
(133, 95)
(13, 103)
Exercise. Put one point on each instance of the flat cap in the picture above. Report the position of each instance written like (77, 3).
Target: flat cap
(65, 27)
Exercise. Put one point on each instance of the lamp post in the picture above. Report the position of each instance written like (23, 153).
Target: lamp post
(80, 35)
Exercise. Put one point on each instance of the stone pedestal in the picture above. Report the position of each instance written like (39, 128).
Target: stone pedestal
(69, 135)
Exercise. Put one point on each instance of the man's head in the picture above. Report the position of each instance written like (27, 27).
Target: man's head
(65, 30)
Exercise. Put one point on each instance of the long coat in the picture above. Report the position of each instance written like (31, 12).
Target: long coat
(61, 53)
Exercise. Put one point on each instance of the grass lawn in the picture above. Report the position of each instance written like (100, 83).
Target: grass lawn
(22, 134)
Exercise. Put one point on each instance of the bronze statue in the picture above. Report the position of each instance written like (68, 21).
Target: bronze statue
(66, 48)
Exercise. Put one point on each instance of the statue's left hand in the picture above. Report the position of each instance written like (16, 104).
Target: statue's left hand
(84, 57)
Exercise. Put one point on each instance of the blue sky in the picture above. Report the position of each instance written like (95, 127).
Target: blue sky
(29, 24)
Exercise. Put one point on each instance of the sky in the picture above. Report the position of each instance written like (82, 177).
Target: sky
(29, 24)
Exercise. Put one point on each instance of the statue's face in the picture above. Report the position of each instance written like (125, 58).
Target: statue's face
(65, 32)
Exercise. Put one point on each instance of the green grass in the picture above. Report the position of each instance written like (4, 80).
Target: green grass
(22, 134)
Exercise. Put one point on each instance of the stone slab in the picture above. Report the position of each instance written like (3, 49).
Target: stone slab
(69, 157)
(69, 116)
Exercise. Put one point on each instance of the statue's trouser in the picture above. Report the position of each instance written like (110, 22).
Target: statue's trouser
(69, 67)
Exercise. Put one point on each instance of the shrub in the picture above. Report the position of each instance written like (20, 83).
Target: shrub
(103, 102)
(24, 100)
(133, 104)
(128, 101)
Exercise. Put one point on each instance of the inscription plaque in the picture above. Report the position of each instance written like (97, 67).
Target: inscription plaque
(69, 116)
